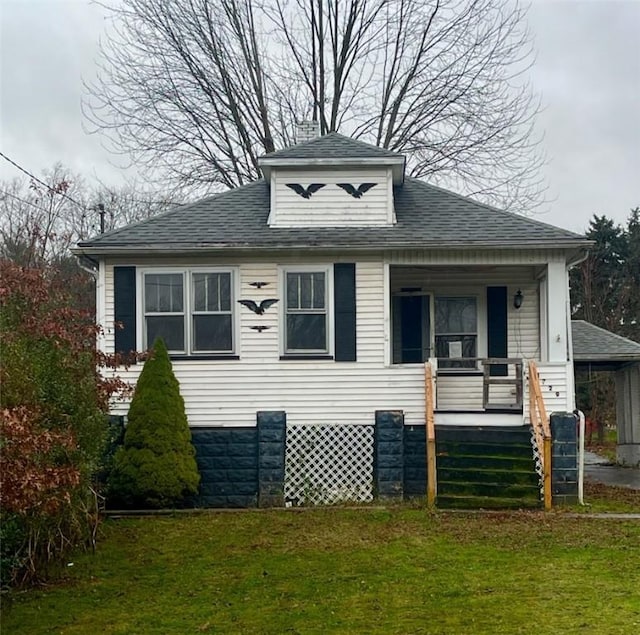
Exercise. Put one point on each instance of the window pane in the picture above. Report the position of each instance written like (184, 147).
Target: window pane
(468, 344)
(212, 292)
(456, 315)
(318, 291)
(170, 328)
(176, 293)
(306, 332)
(200, 289)
(224, 282)
(292, 291)
(305, 290)
(212, 333)
(163, 293)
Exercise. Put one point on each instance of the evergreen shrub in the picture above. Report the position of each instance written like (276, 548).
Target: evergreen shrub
(155, 467)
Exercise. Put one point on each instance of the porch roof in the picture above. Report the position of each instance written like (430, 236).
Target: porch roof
(428, 217)
(592, 344)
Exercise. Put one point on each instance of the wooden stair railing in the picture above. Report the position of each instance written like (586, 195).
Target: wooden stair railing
(541, 430)
(430, 435)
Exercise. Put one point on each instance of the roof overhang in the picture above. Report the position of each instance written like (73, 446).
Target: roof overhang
(385, 246)
(395, 163)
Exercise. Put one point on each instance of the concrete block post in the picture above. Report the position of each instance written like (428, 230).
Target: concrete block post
(272, 435)
(389, 455)
(564, 458)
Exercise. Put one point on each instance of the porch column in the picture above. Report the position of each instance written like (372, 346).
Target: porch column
(272, 436)
(557, 299)
(564, 458)
(628, 415)
(389, 461)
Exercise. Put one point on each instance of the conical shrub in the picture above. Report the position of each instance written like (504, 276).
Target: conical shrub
(155, 467)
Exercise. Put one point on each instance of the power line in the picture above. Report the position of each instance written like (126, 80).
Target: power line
(24, 200)
(37, 180)
(83, 208)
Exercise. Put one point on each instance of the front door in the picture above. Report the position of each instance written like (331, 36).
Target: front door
(411, 328)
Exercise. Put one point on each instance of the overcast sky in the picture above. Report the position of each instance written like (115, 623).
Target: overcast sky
(587, 71)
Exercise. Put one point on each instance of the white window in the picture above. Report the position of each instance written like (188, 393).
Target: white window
(306, 311)
(456, 331)
(191, 310)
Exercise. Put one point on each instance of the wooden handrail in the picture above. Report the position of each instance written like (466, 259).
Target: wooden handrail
(430, 436)
(541, 430)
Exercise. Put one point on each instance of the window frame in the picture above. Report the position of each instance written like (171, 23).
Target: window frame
(188, 310)
(327, 352)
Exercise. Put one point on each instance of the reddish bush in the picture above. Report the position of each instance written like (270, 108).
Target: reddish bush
(37, 472)
(54, 400)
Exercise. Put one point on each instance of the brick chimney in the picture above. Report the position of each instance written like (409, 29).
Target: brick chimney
(306, 131)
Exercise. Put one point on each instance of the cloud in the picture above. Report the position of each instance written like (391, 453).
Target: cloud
(47, 49)
(588, 70)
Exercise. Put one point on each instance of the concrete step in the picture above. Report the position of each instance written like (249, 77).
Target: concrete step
(488, 475)
(485, 502)
(488, 489)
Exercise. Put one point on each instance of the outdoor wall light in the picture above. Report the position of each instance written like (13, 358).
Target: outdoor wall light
(517, 299)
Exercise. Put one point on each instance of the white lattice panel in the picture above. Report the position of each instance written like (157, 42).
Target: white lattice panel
(328, 464)
(537, 458)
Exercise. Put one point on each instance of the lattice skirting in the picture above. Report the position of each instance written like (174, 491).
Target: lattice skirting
(537, 458)
(328, 464)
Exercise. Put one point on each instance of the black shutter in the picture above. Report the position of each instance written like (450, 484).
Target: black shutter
(124, 294)
(344, 292)
(497, 327)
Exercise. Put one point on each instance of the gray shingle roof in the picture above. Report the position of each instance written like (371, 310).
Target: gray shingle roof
(593, 344)
(427, 217)
(333, 146)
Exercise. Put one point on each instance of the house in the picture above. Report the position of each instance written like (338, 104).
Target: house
(319, 317)
(596, 349)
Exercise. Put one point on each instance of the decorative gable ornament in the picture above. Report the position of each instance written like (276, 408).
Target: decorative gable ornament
(356, 192)
(305, 192)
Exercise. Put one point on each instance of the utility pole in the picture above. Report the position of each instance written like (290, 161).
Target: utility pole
(101, 212)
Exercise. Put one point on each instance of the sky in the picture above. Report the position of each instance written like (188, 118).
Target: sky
(587, 72)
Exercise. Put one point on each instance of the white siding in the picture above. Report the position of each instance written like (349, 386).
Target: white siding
(229, 392)
(555, 383)
(331, 206)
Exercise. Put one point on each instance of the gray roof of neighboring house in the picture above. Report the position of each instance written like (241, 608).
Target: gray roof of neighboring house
(333, 146)
(427, 217)
(594, 344)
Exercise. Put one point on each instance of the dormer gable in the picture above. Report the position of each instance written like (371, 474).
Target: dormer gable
(332, 181)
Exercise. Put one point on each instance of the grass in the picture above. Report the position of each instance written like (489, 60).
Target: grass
(601, 498)
(332, 570)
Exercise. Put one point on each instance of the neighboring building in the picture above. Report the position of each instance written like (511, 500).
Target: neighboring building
(374, 274)
(596, 349)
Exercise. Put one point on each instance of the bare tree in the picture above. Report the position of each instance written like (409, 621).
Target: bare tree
(201, 88)
(42, 218)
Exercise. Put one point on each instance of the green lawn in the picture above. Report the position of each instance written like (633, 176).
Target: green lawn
(345, 571)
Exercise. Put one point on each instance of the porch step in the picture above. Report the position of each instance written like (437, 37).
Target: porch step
(484, 474)
(471, 462)
(482, 466)
(520, 435)
(480, 502)
(488, 489)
